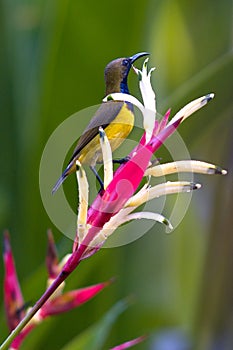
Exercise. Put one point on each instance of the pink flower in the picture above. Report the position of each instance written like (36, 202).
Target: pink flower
(13, 299)
(129, 344)
(60, 302)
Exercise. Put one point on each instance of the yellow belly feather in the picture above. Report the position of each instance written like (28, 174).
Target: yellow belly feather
(117, 131)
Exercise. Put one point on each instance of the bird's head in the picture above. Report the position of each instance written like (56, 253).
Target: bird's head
(116, 73)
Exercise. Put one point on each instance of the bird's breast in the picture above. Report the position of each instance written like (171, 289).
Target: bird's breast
(117, 131)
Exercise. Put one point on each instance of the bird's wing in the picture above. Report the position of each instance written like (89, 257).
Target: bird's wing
(106, 113)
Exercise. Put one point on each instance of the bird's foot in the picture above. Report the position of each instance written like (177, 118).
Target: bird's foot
(98, 177)
(121, 160)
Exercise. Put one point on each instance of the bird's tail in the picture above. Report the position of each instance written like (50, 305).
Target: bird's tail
(61, 178)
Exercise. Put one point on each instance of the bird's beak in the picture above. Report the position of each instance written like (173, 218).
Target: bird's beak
(137, 55)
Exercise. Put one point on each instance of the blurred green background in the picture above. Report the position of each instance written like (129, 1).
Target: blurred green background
(53, 54)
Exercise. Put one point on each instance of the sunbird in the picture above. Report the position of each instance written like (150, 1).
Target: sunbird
(115, 117)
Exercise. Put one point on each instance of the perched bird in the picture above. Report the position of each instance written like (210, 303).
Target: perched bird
(115, 117)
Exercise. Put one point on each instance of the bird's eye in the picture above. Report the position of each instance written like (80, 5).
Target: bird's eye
(125, 62)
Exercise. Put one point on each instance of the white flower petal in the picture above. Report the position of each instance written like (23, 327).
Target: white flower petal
(146, 89)
(194, 166)
(148, 123)
(150, 216)
(169, 187)
(192, 107)
(111, 226)
(107, 157)
(148, 97)
(118, 96)
(140, 197)
(83, 190)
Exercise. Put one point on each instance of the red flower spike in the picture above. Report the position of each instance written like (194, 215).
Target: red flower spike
(127, 179)
(70, 300)
(124, 183)
(13, 299)
(57, 305)
(129, 344)
(164, 120)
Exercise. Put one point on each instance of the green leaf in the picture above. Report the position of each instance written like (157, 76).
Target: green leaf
(94, 337)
